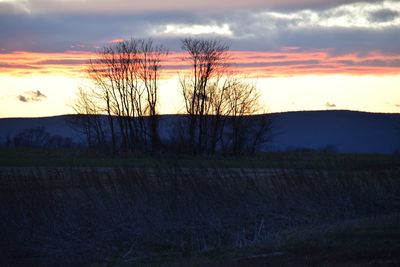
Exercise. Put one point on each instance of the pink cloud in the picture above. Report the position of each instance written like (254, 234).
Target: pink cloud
(115, 41)
(252, 63)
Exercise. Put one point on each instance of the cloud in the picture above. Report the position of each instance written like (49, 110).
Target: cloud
(196, 29)
(285, 62)
(342, 26)
(116, 41)
(13, 7)
(137, 6)
(22, 98)
(32, 96)
(63, 62)
(384, 15)
(336, 29)
(393, 63)
(330, 105)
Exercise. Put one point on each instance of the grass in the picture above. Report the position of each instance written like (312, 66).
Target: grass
(204, 216)
(362, 242)
(22, 157)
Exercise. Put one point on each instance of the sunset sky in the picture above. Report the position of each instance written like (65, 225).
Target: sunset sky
(301, 54)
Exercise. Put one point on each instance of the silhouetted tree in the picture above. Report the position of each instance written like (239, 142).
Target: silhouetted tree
(126, 77)
(89, 121)
(31, 137)
(218, 102)
(151, 57)
(38, 137)
(60, 141)
(208, 61)
(8, 142)
(246, 132)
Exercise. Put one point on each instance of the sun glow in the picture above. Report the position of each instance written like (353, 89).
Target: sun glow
(287, 62)
(313, 92)
(288, 80)
(58, 89)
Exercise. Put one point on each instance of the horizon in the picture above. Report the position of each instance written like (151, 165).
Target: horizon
(346, 131)
(302, 55)
(183, 114)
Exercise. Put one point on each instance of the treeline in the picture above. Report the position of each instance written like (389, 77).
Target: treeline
(217, 101)
(38, 137)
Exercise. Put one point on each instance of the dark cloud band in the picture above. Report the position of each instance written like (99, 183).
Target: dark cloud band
(375, 27)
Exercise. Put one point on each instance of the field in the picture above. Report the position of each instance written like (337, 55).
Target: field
(54, 157)
(302, 209)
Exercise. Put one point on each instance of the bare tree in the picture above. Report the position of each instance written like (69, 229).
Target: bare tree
(32, 137)
(208, 60)
(89, 122)
(246, 130)
(126, 77)
(115, 74)
(214, 95)
(217, 100)
(149, 71)
(39, 137)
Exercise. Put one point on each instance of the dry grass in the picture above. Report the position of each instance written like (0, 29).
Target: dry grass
(156, 216)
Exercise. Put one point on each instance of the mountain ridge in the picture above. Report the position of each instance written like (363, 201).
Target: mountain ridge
(344, 130)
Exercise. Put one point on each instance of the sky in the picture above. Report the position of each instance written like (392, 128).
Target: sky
(301, 54)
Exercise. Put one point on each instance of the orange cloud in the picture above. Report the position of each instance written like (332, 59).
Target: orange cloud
(287, 62)
(69, 63)
(115, 41)
(294, 63)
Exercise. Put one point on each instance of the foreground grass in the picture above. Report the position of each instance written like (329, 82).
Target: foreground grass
(124, 216)
(22, 157)
(362, 242)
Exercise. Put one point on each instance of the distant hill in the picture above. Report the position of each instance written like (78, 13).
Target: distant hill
(54, 125)
(345, 131)
(348, 131)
